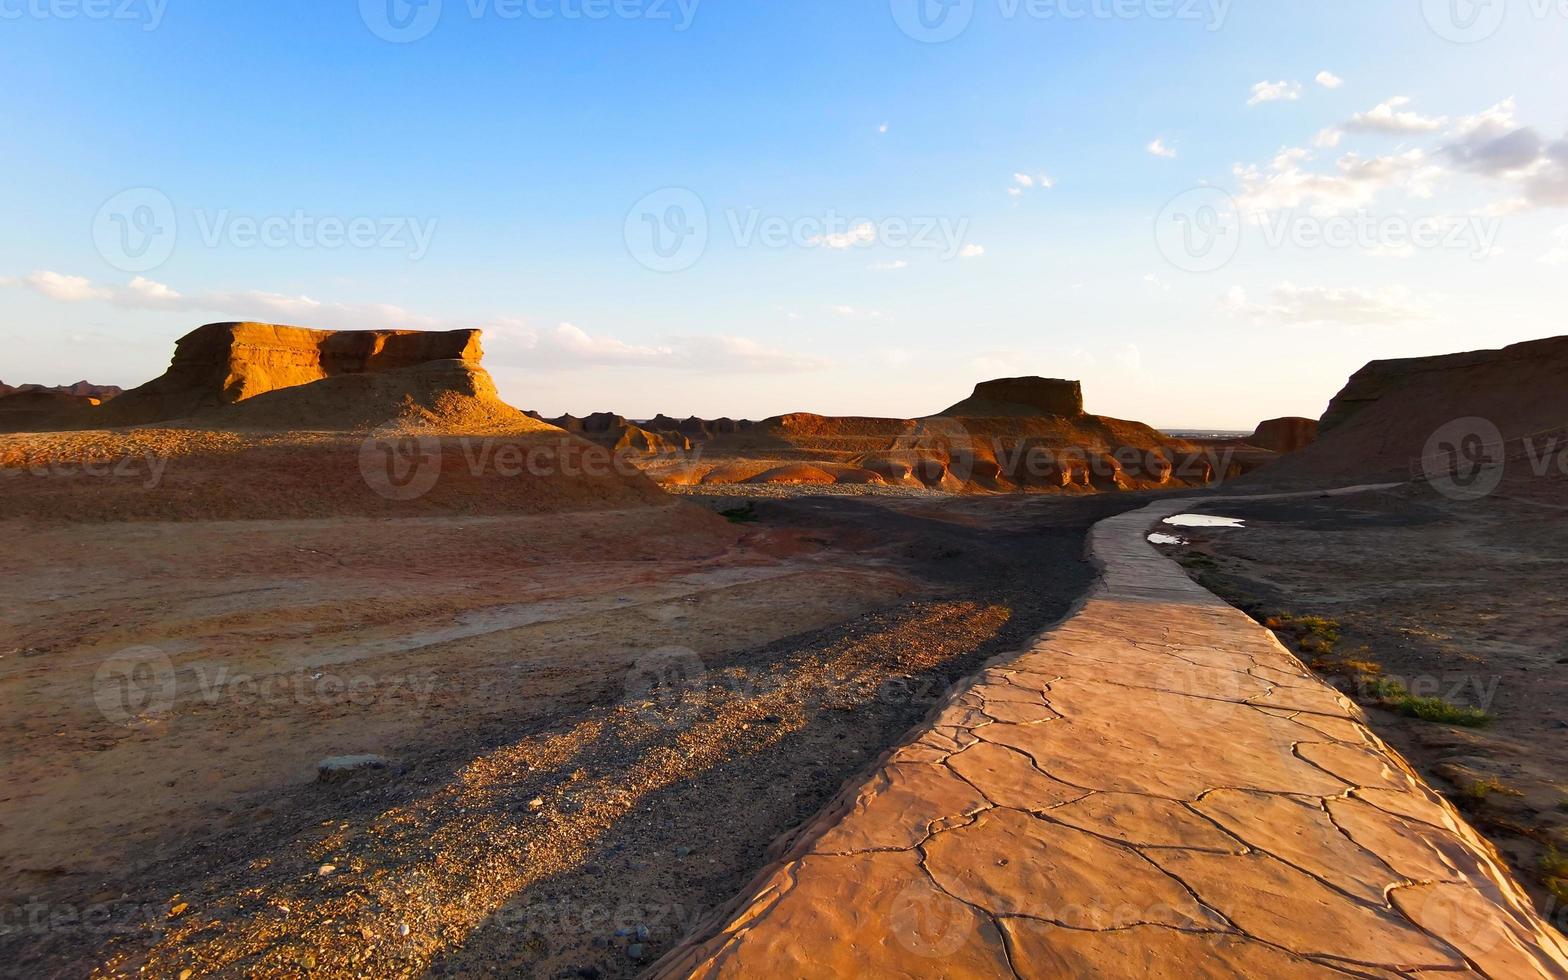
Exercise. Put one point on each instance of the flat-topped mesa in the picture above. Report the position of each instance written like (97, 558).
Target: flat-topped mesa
(1284, 435)
(1011, 397)
(224, 363)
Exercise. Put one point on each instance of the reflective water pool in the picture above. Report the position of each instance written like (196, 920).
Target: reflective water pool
(1204, 520)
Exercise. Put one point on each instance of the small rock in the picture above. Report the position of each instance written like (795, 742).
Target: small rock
(535, 803)
(340, 767)
(402, 930)
(325, 870)
(178, 910)
(635, 951)
(642, 933)
(682, 851)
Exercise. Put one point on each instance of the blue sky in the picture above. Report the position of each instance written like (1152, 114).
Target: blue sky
(500, 167)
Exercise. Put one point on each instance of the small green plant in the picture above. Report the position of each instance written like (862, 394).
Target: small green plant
(1392, 695)
(1312, 634)
(1554, 863)
(1481, 789)
(741, 515)
(1201, 562)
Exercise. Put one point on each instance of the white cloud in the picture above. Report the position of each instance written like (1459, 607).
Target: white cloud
(1023, 182)
(1328, 79)
(1355, 183)
(856, 313)
(1275, 92)
(882, 129)
(509, 340)
(1319, 305)
(1328, 138)
(1391, 117)
(971, 251)
(62, 288)
(1158, 148)
(892, 266)
(862, 234)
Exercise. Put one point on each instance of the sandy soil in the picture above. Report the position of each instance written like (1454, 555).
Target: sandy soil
(1456, 600)
(593, 725)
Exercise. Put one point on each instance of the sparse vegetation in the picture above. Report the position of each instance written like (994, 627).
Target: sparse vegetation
(1365, 675)
(1554, 863)
(1198, 562)
(1310, 634)
(1481, 789)
(1392, 695)
(741, 515)
(1554, 872)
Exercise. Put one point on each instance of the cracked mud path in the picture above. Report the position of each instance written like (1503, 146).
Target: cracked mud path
(1155, 788)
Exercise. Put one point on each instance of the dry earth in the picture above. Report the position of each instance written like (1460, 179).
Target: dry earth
(1455, 600)
(593, 725)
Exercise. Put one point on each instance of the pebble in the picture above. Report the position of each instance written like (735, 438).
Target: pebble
(682, 851)
(635, 951)
(325, 870)
(340, 767)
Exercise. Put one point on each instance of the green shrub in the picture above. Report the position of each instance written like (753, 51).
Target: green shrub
(1392, 695)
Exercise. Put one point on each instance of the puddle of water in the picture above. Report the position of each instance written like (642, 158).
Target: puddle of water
(1160, 537)
(1204, 520)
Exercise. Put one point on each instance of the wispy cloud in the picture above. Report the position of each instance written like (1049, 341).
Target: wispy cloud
(1328, 79)
(1275, 92)
(509, 340)
(1392, 117)
(1319, 305)
(1158, 148)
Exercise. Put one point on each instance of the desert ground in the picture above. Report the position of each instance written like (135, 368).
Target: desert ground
(543, 807)
(319, 659)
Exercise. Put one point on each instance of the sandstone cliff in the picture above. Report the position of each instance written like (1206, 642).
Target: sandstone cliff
(1284, 435)
(1011, 397)
(224, 363)
(1381, 424)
